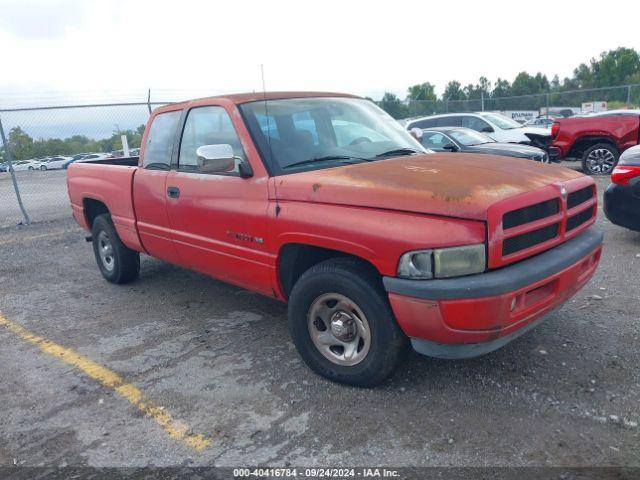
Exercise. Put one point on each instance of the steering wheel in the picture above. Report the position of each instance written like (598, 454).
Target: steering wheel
(360, 140)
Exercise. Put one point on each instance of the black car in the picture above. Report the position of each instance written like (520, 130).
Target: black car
(465, 140)
(622, 197)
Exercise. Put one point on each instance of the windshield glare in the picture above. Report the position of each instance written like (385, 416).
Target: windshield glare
(505, 123)
(333, 130)
(469, 137)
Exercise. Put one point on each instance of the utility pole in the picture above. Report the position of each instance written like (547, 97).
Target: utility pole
(482, 99)
(9, 161)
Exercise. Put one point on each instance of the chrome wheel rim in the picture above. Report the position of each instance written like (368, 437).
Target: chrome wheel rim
(339, 329)
(105, 250)
(601, 160)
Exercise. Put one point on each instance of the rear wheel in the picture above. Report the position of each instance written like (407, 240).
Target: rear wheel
(342, 324)
(600, 159)
(117, 262)
(42, 167)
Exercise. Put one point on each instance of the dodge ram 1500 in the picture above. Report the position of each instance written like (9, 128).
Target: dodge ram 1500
(325, 202)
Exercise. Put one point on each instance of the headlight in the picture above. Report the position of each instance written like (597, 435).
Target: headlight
(443, 262)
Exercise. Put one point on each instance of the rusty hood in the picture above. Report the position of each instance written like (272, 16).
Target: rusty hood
(448, 184)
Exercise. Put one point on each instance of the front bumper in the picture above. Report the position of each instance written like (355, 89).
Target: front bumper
(468, 316)
(622, 205)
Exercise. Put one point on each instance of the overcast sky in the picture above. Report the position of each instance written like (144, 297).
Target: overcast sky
(187, 48)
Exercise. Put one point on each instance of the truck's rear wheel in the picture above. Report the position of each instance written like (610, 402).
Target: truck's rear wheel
(342, 324)
(600, 159)
(117, 262)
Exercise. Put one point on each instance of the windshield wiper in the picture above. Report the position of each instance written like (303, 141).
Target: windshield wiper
(397, 151)
(326, 158)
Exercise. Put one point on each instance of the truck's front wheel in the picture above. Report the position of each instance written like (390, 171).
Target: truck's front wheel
(117, 262)
(342, 325)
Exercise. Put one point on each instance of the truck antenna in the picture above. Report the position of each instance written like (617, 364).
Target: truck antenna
(266, 112)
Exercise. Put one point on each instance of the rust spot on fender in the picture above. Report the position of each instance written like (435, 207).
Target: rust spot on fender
(315, 187)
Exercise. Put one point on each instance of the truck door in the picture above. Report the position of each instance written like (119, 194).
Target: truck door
(218, 219)
(149, 187)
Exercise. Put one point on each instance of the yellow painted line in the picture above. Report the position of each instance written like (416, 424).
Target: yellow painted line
(33, 237)
(111, 379)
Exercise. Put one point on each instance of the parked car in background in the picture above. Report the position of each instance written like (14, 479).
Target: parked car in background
(540, 122)
(597, 139)
(495, 125)
(134, 152)
(465, 140)
(375, 243)
(54, 163)
(622, 197)
(4, 167)
(26, 165)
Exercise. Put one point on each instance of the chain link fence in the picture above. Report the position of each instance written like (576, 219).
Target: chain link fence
(626, 96)
(40, 141)
(35, 134)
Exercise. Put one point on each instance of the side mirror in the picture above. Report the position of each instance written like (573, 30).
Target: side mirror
(450, 146)
(220, 159)
(487, 129)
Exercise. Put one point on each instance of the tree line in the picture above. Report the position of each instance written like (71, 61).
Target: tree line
(613, 68)
(23, 147)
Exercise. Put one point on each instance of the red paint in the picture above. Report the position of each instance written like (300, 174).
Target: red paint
(480, 320)
(229, 227)
(623, 131)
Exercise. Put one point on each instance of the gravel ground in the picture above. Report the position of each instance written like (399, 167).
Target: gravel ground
(218, 360)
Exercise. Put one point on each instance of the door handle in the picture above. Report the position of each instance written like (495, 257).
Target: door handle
(173, 192)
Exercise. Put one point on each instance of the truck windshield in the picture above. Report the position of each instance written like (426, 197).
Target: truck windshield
(299, 134)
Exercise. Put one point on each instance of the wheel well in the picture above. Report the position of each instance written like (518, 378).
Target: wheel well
(582, 144)
(295, 259)
(93, 208)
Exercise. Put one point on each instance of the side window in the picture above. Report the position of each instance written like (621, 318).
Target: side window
(433, 140)
(428, 123)
(160, 140)
(448, 121)
(208, 126)
(474, 123)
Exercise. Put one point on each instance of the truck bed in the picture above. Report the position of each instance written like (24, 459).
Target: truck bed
(108, 183)
(125, 161)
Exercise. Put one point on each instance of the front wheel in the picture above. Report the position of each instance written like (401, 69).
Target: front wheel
(42, 167)
(600, 159)
(117, 262)
(342, 324)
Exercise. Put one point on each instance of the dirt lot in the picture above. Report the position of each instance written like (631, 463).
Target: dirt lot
(179, 369)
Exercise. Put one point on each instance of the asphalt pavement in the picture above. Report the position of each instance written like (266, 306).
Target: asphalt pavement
(180, 369)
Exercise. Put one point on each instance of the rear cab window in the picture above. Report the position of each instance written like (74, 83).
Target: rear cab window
(157, 154)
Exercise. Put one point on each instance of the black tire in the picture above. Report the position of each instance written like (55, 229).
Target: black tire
(591, 166)
(355, 280)
(124, 264)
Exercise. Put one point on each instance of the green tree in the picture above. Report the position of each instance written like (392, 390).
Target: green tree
(502, 88)
(421, 92)
(391, 104)
(453, 91)
(20, 144)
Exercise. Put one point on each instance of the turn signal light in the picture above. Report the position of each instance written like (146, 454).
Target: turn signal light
(623, 174)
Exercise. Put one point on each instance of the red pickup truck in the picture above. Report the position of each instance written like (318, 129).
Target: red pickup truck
(325, 202)
(598, 140)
